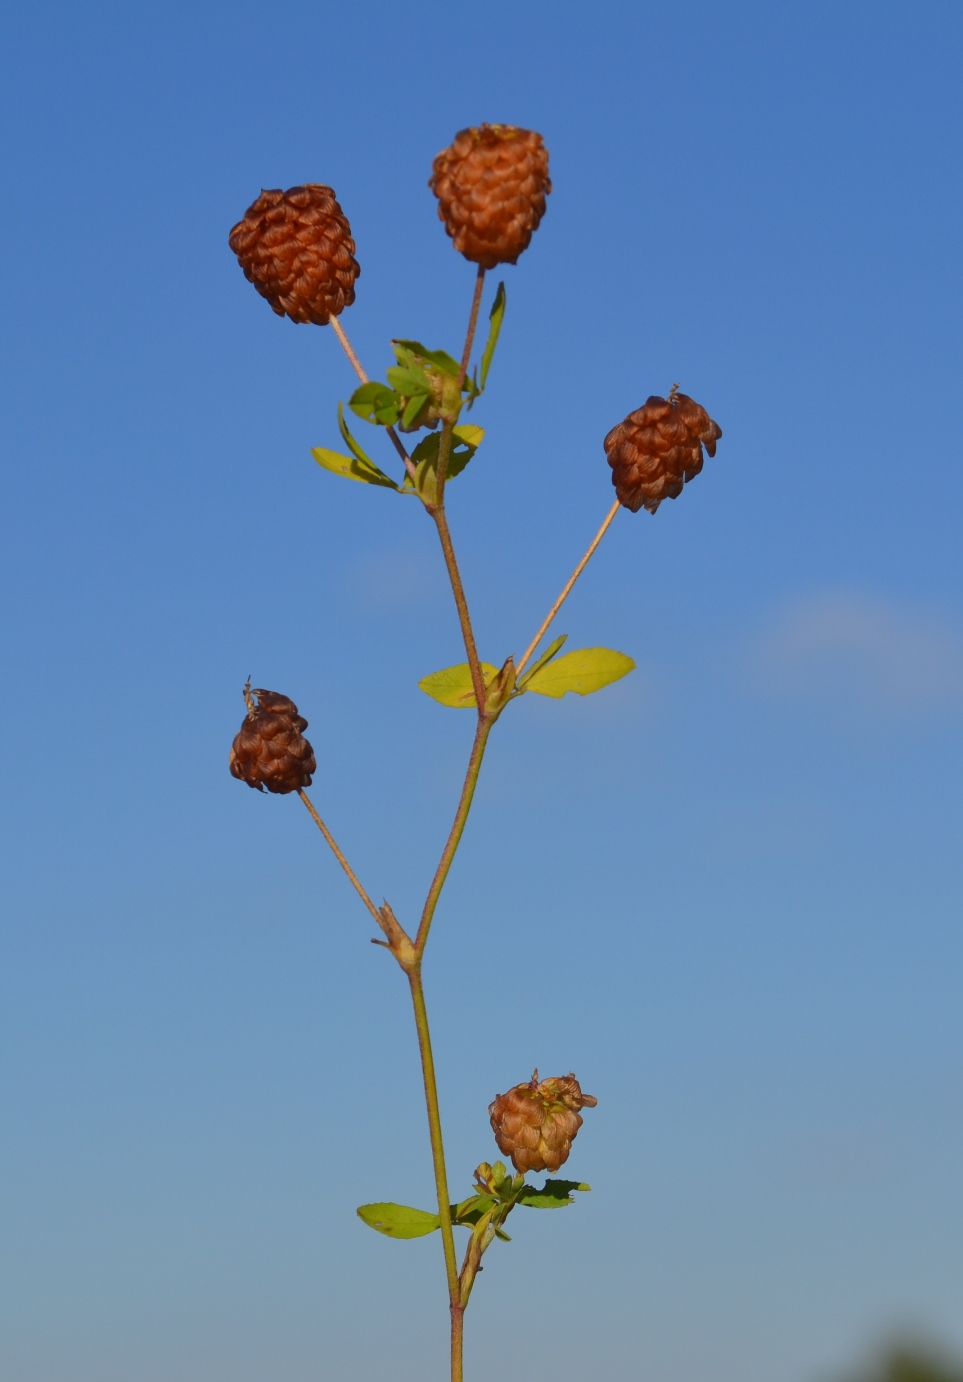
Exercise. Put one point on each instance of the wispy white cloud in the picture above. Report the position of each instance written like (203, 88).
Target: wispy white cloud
(861, 652)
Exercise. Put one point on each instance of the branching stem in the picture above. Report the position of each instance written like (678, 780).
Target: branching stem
(567, 588)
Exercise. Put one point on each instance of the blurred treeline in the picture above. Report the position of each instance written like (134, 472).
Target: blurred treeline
(910, 1363)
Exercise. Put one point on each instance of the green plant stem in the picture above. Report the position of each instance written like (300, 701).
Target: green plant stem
(567, 588)
(441, 1174)
(482, 732)
(437, 512)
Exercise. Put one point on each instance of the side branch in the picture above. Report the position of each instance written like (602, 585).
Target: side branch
(567, 588)
(356, 365)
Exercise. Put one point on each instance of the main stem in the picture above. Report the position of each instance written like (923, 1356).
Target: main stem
(482, 731)
(441, 1174)
(437, 512)
(457, 830)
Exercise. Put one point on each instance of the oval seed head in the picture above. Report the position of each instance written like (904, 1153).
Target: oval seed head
(491, 184)
(536, 1123)
(658, 448)
(296, 248)
(269, 750)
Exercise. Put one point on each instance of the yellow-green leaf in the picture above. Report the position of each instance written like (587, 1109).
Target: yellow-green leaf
(452, 686)
(351, 467)
(398, 1220)
(584, 671)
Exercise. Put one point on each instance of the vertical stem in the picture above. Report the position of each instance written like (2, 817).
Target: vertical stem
(437, 512)
(457, 1342)
(457, 830)
(438, 1162)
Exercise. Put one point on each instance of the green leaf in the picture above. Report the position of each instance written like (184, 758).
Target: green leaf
(376, 403)
(398, 1220)
(466, 439)
(408, 381)
(452, 686)
(407, 351)
(471, 1210)
(545, 658)
(554, 1194)
(413, 407)
(351, 468)
(496, 317)
(584, 671)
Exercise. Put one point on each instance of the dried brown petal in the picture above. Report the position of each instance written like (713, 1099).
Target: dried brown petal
(491, 184)
(269, 750)
(658, 448)
(297, 250)
(536, 1123)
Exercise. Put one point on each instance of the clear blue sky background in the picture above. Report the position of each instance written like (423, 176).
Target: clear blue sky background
(726, 892)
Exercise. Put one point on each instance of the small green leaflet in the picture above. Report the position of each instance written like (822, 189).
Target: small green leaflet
(471, 1210)
(357, 466)
(584, 671)
(554, 1194)
(545, 658)
(452, 686)
(408, 381)
(351, 468)
(416, 405)
(409, 352)
(375, 403)
(398, 1220)
(496, 318)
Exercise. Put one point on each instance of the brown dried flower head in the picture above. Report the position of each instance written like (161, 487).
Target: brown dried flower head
(297, 250)
(491, 184)
(658, 448)
(269, 749)
(536, 1123)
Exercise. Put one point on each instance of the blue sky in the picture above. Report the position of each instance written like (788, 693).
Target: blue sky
(726, 891)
